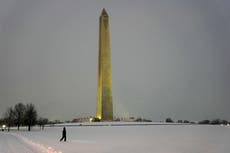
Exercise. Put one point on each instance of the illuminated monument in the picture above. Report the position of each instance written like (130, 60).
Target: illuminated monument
(104, 93)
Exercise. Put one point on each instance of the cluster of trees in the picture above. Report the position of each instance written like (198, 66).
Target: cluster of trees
(22, 115)
(213, 122)
(169, 120)
(142, 120)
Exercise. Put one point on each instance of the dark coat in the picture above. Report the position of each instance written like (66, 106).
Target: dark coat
(64, 132)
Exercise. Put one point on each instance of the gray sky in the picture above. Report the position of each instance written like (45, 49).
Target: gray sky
(170, 58)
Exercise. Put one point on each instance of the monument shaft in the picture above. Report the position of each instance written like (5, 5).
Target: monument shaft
(104, 95)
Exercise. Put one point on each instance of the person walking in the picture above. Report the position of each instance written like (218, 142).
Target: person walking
(63, 134)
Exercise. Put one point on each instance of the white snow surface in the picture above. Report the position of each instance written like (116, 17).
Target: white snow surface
(119, 139)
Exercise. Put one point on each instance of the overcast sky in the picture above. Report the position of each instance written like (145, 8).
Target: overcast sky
(170, 58)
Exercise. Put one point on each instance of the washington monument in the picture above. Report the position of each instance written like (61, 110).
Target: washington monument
(104, 93)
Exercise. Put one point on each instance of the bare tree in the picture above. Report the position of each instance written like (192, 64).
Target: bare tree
(9, 117)
(30, 115)
(41, 122)
(19, 110)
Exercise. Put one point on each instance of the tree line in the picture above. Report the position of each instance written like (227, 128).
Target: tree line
(22, 115)
(213, 122)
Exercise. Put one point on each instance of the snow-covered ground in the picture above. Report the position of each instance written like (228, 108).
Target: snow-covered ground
(120, 139)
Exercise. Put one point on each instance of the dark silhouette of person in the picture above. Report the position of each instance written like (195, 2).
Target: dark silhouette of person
(63, 134)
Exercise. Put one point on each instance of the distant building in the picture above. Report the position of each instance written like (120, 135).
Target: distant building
(80, 120)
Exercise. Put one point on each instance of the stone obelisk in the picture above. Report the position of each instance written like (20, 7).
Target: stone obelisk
(104, 93)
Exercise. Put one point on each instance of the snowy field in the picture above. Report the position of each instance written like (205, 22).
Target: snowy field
(120, 139)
